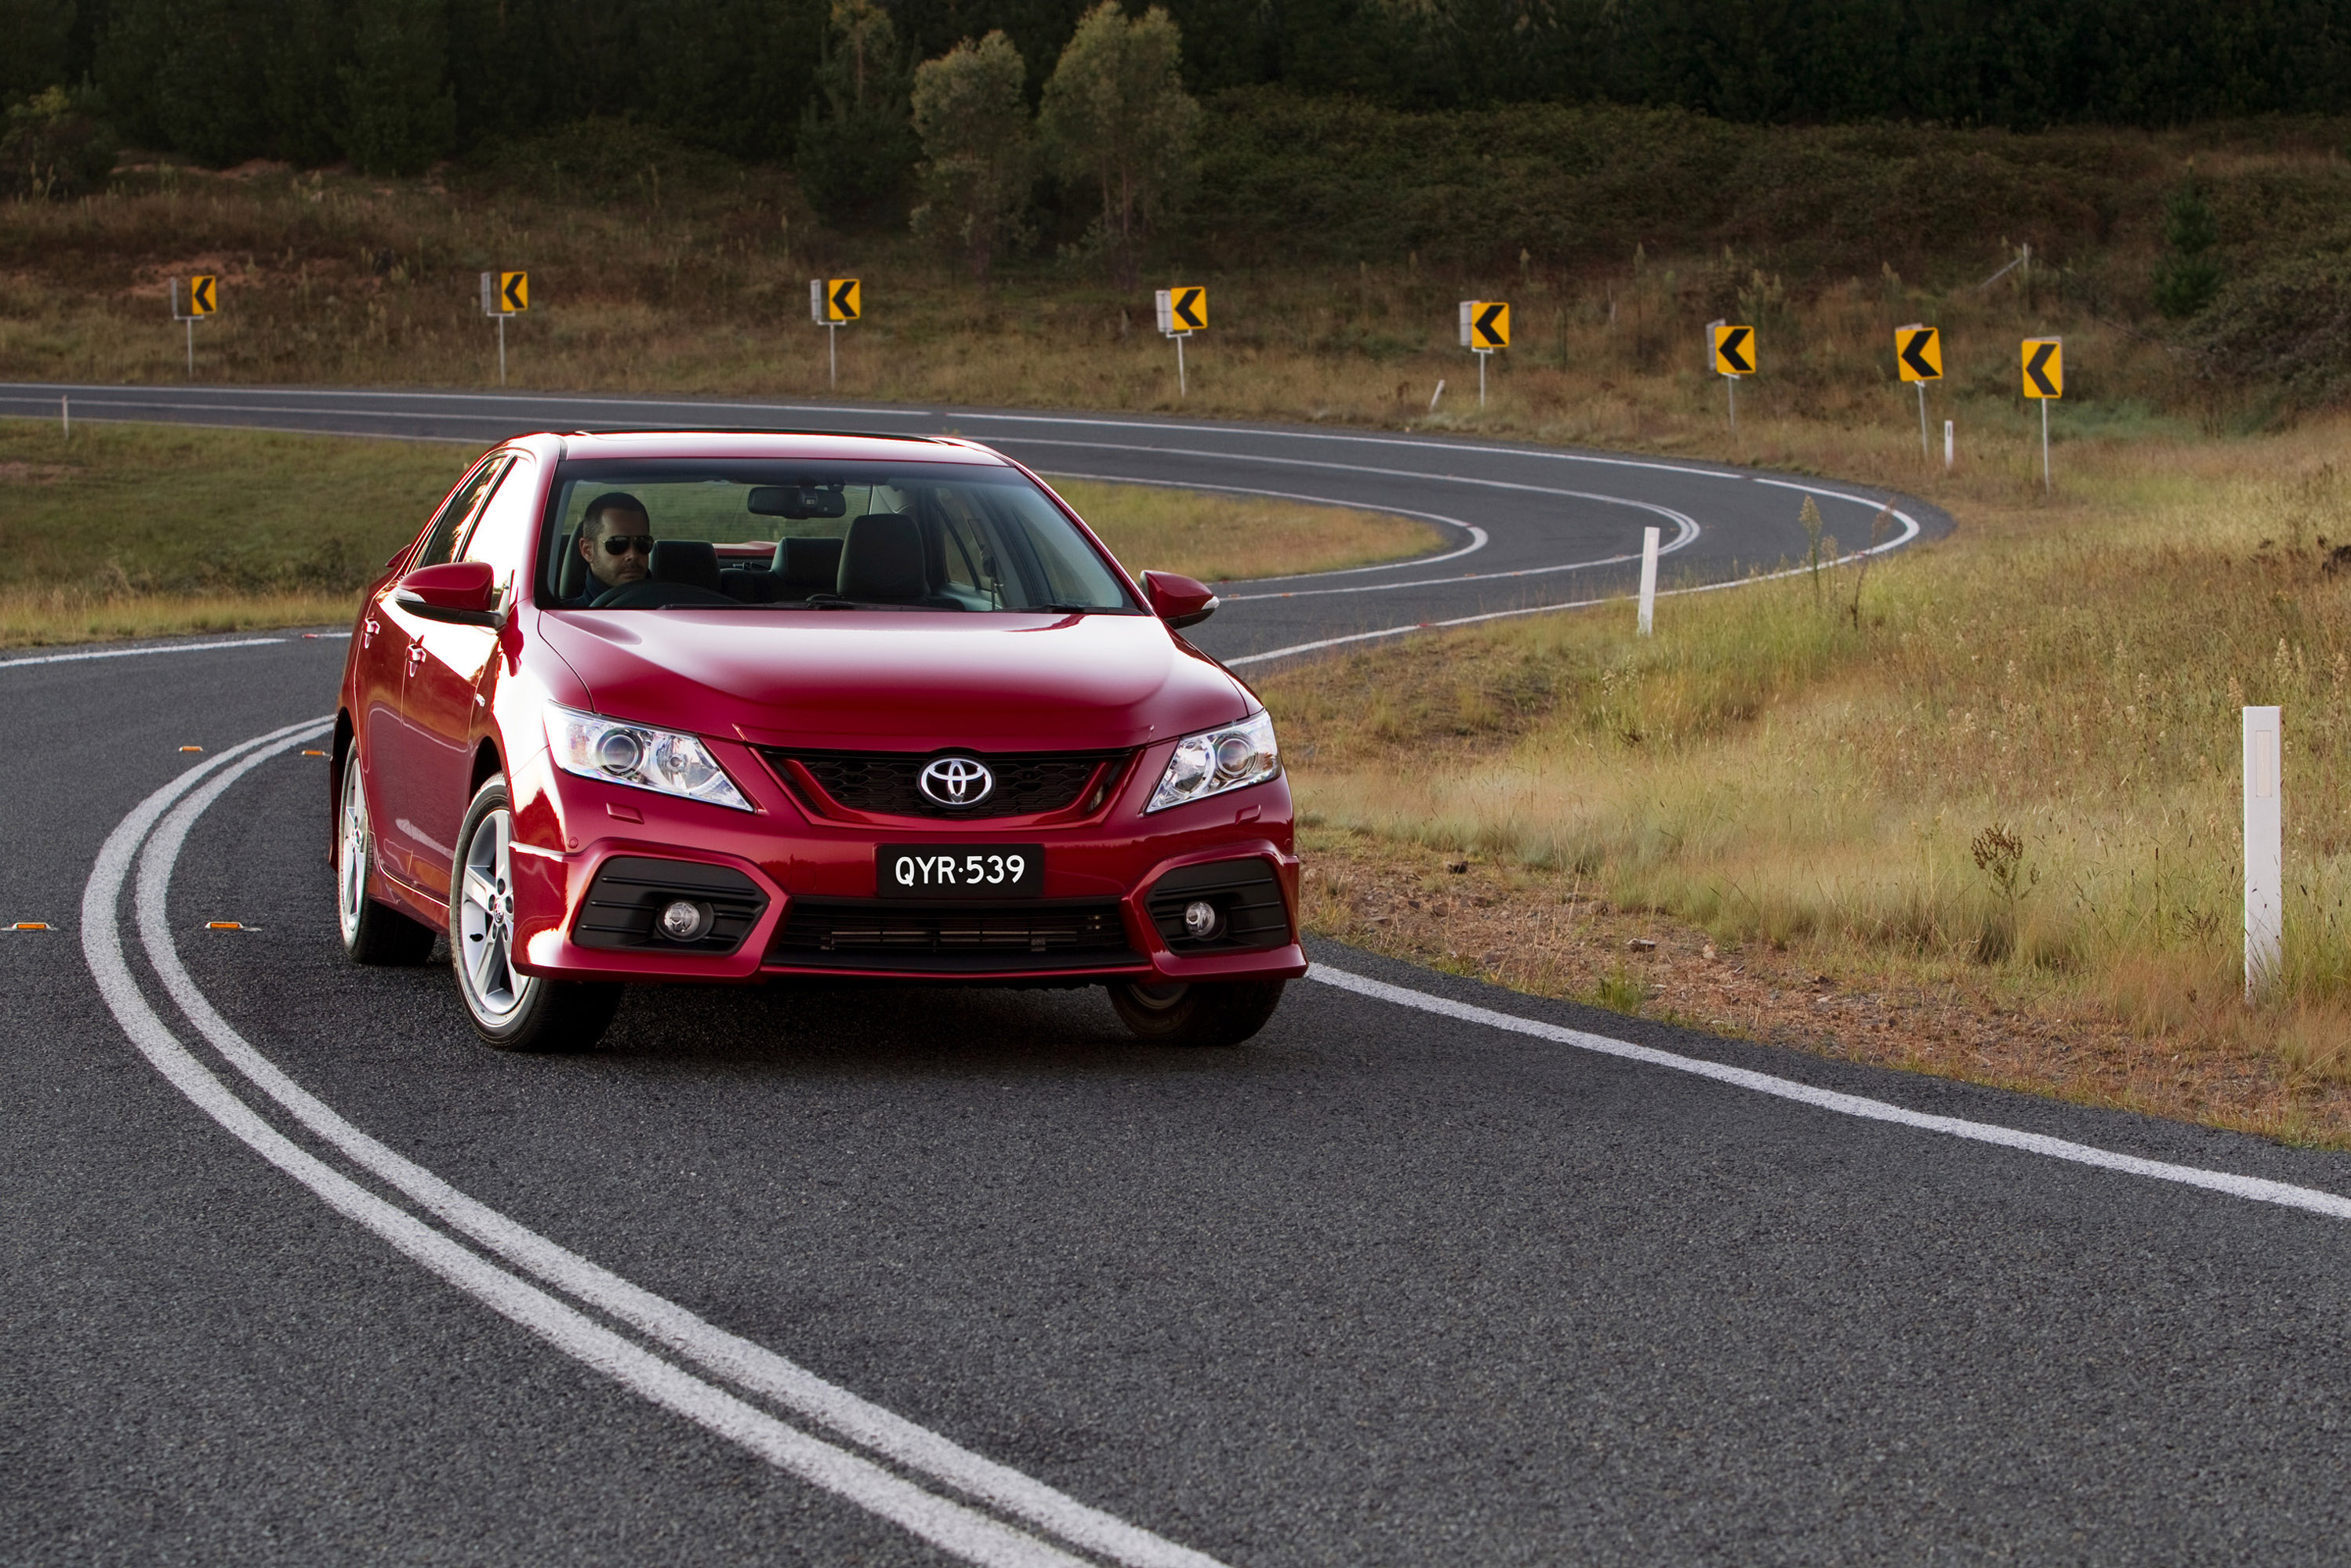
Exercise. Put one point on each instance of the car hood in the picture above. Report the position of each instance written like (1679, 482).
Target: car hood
(910, 681)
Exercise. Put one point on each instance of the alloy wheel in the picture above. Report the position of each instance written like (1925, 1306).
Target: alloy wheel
(494, 991)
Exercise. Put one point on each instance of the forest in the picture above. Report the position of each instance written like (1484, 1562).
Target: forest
(395, 85)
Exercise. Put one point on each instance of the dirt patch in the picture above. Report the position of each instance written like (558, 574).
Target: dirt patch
(1548, 935)
(35, 472)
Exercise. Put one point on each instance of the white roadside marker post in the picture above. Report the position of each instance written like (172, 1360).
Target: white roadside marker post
(65, 416)
(1648, 581)
(1437, 393)
(1947, 444)
(2265, 852)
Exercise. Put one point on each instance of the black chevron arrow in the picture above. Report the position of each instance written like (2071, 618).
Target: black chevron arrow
(2037, 368)
(1184, 299)
(1914, 355)
(1486, 321)
(1733, 342)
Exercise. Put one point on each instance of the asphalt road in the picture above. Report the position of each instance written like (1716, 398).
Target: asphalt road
(297, 1272)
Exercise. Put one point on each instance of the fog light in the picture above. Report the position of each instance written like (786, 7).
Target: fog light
(683, 920)
(1200, 919)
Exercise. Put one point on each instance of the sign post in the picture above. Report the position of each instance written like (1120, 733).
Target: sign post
(505, 293)
(1918, 357)
(1648, 581)
(203, 299)
(1484, 327)
(2265, 850)
(1181, 312)
(1734, 356)
(832, 301)
(2044, 381)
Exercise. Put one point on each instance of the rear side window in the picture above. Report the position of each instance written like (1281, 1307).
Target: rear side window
(449, 526)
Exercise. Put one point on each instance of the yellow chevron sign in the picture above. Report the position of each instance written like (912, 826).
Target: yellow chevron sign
(1919, 353)
(1734, 349)
(203, 293)
(2044, 367)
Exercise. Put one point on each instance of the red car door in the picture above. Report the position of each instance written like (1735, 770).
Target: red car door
(398, 760)
(444, 707)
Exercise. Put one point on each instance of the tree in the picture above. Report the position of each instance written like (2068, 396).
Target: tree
(972, 114)
(1116, 116)
(855, 158)
(401, 113)
(2189, 276)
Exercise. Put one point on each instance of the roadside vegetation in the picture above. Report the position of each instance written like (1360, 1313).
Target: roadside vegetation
(146, 530)
(2002, 770)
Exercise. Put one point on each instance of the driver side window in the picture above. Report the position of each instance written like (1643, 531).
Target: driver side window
(441, 540)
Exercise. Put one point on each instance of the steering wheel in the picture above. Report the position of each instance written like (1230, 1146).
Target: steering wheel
(648, 594)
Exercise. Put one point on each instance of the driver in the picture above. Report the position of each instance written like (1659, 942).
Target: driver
(616, 537)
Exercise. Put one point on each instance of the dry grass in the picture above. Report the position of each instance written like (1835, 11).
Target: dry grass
(1778, 769)
(334, 280)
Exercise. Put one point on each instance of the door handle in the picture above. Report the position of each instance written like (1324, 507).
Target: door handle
(367, 630)
(415, 655)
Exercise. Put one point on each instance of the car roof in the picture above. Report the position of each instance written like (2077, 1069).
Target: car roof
(787, 444)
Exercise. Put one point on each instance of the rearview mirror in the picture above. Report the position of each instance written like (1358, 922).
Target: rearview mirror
(796, 503)
(1177, 600)
(462, 592)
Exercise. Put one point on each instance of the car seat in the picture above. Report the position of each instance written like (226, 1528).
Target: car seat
(882, 559)
(693, 562)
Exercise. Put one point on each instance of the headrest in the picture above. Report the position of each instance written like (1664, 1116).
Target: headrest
(807, 566)
(571, 569)
(882, 558)
(694, 562)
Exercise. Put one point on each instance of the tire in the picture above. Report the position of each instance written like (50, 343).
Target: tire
(509, 1010)
(374, 932)
(1210, 1013)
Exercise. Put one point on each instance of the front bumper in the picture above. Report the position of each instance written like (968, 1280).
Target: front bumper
(569, 829)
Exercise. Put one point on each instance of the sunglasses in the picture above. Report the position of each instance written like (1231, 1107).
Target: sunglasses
(626, 544)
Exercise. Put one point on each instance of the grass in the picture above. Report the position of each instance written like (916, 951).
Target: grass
(2009, 761)
(150, 530)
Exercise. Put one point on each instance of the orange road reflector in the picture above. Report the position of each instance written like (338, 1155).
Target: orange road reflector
(30, 926)
(224, 925)
(314, 754)
(191, 748)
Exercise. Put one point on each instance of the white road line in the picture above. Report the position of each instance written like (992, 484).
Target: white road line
(138, 652)
(750, 1365)
(2258, 1189)
(1476, 534)
(1685, 533)
(1909, 532)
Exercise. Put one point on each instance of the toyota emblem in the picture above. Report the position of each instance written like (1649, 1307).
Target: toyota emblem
(957, 781)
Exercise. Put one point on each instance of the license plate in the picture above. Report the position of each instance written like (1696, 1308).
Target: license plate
(959, 870)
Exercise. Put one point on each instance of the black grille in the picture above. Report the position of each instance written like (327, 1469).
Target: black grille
(630, 890)
(882, 782)
(950, 938)
(1248, 900)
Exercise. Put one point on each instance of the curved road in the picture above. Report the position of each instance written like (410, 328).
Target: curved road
(1531, 526)
(1430, 1273)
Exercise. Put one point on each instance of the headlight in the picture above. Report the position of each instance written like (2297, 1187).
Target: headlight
(639, 755)
(1216, 760)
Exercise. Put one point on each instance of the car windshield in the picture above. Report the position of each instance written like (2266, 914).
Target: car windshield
(795, 537)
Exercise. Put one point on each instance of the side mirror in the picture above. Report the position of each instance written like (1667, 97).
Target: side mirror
(1180, 601)
(462, 592)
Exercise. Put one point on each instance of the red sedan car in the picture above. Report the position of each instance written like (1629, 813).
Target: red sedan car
(665, 708)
